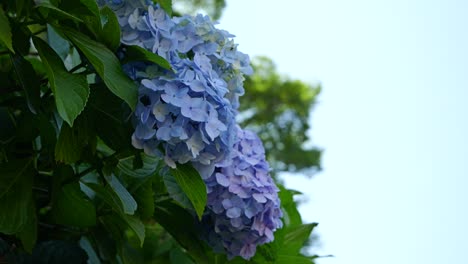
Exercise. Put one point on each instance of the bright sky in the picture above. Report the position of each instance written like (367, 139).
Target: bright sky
(392, 119)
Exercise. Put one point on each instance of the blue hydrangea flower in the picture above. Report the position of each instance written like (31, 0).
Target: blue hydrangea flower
(188, 113)
(243, 208)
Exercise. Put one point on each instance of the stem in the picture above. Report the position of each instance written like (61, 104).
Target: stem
(40, 31)
(88, 170)
(77, 67)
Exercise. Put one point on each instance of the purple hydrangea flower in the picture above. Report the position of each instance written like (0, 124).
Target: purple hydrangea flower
(243, 207)
(191, 110)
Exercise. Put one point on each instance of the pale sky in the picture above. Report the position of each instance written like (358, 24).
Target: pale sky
(392, 119)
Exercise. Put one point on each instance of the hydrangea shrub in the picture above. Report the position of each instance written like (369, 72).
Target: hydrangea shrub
(118, 141)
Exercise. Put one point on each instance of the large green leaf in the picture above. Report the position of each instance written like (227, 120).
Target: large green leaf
(28, 235)
(56, 12)
(135, 224)
(71, 91)
(110, 34)
(110, 116)
(136, 53)
(71, 141)
(193, 186)
(144, 196)
(28, 79)
(16, 195)
(107, 66)
(129, 204)
(295, 238)
(72, 207)
(181, 225)
(291, 216)
(175, 192)
(12, 172)
(5, 31)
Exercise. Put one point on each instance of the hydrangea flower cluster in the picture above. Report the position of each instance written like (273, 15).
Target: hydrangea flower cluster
(242, 200)
(189, 113)
(191, 110)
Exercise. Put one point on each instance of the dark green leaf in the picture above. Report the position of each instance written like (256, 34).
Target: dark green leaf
(16, 195)
(150, 164)
(136, 226)
(129, 204)
(106, 195)
(110, 34)
(110, 117)
(136, 53)
(179, 257)
(181, 225)
(175, 192)
(12, 172)
(5, 31)
(295, 238)
(107, 66)
(81, 7)
(145, 200)
(72, 207)
(71, 91)
(166, 5)
(29, 81)
(70, 143)
(57, 12)
(28, 235)
(8, 131)
(21, 39)
(59, 252)
(193, 186)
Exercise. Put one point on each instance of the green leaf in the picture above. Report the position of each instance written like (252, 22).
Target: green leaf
(136, 53)
(179, 257)
(71, 91)
(28, 235)
(72, 207)
(150, 164)
(106, 195)
(110, 118)
(57, 12)
(291, 216)
(136, 226)
(175, 192)
(166, 5)
(295, 238)
(181, 225)
(193, 186)
(29, 81)
(144, 197)
(107, 66)
(5, 31)
(129, 204)
(110, 34)
(8, 131)
(70, 143)
(16, 195)
(12, 172)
